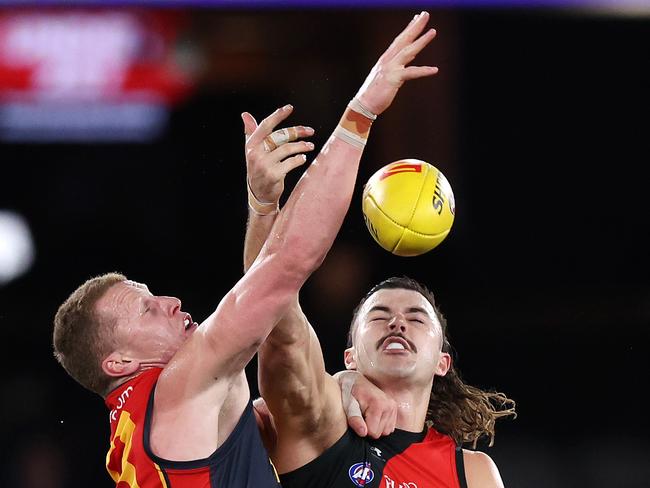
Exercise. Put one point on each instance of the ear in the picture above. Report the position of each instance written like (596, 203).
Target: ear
(444, 363)
(116, 365)
(350, 358)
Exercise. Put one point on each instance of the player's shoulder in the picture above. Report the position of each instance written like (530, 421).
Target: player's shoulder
(480, 470)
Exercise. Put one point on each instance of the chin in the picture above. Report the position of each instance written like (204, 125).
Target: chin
(396, 372)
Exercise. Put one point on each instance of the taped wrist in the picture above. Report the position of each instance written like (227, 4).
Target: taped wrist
(355, 124)
(258, 207)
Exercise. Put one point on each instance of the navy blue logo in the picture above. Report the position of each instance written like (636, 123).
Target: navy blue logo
(361, 474)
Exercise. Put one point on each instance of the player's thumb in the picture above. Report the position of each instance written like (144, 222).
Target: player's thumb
(250, 124)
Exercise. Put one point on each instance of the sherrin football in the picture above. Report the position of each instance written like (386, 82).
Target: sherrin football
(408, 207)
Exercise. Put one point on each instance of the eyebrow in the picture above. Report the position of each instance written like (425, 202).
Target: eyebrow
(379, 308)
(382, 308)
(417, 310)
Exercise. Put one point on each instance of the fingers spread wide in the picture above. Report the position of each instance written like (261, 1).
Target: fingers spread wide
(269, 123)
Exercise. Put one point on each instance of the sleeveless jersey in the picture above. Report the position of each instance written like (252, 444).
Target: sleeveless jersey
(240, 462)
(402, 459)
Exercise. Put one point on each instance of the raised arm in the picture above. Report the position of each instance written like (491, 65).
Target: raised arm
(210, 364)
(267, 164)
(304, 400)
(205, 378)
(266, 168)
(213, 358)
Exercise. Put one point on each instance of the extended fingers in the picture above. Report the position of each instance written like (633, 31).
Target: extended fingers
(292, 163)
(413, 72)
(408, 52)
(288, 134)
(408, 35)
(292, 148)
(269, 123)
(303, 131)
(279, 137)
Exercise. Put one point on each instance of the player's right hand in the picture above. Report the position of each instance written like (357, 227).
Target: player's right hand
(270, 154)
(369, 410)
(391, 70)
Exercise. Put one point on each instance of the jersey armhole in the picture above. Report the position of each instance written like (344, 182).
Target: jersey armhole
(220, 452)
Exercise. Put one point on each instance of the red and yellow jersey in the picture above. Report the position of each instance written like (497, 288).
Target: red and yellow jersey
(402, 459)
(240, 462)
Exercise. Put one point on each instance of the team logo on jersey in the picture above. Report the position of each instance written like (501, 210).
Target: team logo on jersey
(361, 474)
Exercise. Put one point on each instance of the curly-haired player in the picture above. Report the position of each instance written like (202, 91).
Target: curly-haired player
(398, 341)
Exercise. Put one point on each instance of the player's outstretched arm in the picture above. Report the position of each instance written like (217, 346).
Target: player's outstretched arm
(302, 233)
(210, 364)
(266, 168)
(304, 400)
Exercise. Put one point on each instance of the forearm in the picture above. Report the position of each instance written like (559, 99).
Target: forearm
(258, 228)
(312, 216)
(293, 380)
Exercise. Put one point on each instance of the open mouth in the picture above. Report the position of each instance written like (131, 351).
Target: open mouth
(188, 322)
(395, 343)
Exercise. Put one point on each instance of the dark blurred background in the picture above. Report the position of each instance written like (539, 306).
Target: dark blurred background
(538, 117)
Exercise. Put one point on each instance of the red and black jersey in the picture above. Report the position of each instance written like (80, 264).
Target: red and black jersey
(402, 459)
(240, 462)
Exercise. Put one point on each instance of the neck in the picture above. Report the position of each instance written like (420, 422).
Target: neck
(412, 403)
(123, 379)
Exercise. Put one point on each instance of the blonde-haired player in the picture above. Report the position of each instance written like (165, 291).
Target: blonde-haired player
(178, 398)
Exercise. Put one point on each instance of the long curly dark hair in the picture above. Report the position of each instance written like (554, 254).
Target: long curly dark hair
(464, 412)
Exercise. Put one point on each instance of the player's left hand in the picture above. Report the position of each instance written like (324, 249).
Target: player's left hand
(271, 154)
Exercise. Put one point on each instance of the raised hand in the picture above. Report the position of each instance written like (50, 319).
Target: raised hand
(270, 154)
(391, 70)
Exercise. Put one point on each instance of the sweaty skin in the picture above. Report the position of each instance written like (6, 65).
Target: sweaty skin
(304, 399)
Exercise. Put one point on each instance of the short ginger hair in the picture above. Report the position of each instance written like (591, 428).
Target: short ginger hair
(82, 338)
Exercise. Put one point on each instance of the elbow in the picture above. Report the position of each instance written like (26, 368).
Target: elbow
(303, 259)
(297, 259)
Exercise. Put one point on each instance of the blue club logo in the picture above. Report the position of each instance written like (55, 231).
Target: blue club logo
(361, 474)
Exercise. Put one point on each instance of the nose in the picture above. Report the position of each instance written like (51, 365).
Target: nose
(170, 305)
(397, 323)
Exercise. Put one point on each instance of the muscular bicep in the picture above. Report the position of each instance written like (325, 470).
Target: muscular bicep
(304, 399)
(292, 375)
(205, 379)
(228, 339)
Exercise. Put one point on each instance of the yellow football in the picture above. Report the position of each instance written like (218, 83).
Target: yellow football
(408, 207)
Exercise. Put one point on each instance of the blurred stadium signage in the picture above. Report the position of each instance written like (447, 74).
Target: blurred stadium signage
(88, 75)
